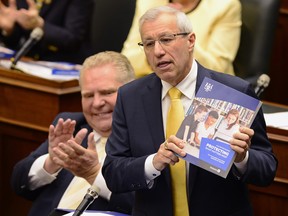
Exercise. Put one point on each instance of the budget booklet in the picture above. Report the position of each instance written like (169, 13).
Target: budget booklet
(216, 113)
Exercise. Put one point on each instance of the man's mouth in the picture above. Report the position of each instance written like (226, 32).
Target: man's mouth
(103, 114)
(163, 64)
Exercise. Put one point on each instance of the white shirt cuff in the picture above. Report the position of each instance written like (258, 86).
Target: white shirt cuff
(242, 166)
(101, 183)
(150, 172)
(38, 176)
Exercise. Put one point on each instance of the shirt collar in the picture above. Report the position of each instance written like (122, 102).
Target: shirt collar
(96, 136)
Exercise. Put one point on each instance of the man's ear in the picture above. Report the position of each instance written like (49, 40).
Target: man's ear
(191, 40)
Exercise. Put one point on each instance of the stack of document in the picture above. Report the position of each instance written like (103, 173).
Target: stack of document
(277, 119)
(6, 53)
(59, 71)
(91, 213)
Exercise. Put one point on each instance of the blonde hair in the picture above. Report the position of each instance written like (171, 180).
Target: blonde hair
(125, 71)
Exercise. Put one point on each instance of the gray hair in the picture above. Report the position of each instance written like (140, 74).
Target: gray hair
(125, 71)
(183, 21)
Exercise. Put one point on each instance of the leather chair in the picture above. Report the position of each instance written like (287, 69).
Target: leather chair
(110, 24)
(257, 35)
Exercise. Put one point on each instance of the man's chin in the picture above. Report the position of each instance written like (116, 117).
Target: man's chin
(104, 125)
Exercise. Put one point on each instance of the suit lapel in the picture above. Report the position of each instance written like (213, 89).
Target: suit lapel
(201, 74)
(153, 110)
(151, 98)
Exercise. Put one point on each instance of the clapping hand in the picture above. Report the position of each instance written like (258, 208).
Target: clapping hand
(8, 16)
(62, 132)
(78, 160)
(29, 18)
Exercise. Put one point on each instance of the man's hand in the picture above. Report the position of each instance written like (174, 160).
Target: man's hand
(80, 161)
(166, 153)
(61, 133)
(29, 19)
(241, 142)
(8, 16)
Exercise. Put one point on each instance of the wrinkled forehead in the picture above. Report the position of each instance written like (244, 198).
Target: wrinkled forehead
(164, 23)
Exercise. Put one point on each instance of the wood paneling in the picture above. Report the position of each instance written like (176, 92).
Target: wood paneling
(27, 107)
(277, 90)
(273, 200)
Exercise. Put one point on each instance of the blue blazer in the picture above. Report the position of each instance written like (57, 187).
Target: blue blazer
(46, 198)
(137, 132)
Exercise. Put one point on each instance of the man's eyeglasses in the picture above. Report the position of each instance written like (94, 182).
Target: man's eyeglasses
(165, 40)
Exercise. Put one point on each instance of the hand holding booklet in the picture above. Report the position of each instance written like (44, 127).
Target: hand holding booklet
(216, 113)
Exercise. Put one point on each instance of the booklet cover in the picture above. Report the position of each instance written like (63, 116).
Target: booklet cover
(216, 113)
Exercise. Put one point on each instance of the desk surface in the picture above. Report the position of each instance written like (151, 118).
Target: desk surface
(14, 77)
(33, 102)
(277, 133)
(269, 107)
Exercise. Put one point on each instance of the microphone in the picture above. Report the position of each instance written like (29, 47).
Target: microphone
(262, 83)
(35, 36)
(91, 195)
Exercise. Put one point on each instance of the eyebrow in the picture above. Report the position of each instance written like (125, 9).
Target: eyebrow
(158, 36)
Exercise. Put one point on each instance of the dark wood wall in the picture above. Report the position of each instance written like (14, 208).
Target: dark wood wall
(273, 200)
(278, 88)
(27, 107)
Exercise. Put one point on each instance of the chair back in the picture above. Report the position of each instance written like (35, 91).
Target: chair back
(110, 25)
(259, 18)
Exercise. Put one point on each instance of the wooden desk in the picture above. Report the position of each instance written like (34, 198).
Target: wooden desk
(273, 200)
(28, 105)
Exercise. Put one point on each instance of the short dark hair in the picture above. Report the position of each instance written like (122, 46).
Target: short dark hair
(214, 114)
(201, 108)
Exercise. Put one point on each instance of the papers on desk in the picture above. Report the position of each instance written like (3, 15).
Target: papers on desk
(5, 52)
(59, 71)
(98, 213)
(278, 120)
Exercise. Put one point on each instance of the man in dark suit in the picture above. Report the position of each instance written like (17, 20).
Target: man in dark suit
(138, 157)
(65, 23)
(60, 163)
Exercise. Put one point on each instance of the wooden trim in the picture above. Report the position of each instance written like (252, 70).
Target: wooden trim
(23, 124)
(20, 79)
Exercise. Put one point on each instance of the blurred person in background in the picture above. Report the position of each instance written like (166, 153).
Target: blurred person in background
(65, 24)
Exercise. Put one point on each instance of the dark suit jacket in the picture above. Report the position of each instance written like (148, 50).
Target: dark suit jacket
(46, 198)
(67, 24)
(137, 132)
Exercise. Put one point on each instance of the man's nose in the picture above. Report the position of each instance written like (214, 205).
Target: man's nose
(98, 101)
(158, 48)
